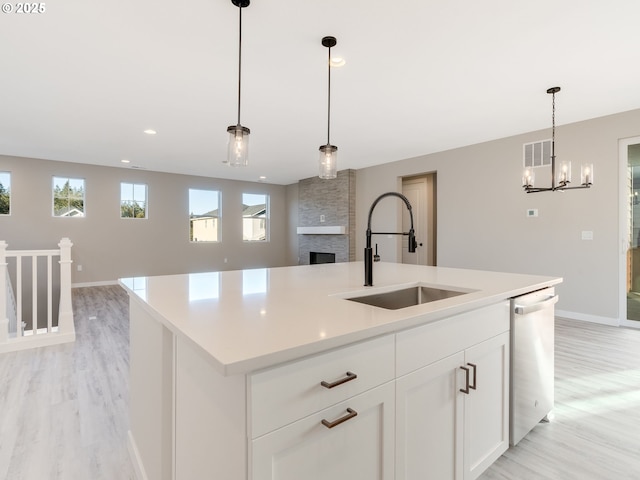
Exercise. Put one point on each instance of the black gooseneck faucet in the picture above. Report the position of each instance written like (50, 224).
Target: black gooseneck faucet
(368, 251)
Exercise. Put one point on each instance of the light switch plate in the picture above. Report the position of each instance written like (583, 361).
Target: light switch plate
(587, 235)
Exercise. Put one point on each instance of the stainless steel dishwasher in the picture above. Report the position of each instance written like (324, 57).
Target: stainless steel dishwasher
(532, 362)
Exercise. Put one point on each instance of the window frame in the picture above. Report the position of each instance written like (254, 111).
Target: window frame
(133, 200)
(218, 223)
(266, 218)
(8, 189)
(53, 196)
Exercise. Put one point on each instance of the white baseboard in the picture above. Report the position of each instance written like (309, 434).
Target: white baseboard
(138, 467)
(36, 341)
(585, 317)
(94, 284)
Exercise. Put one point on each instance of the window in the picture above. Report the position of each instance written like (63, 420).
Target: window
(68, 197)
(255, 217)
(204, 215)
(5, 193)
(133, 200)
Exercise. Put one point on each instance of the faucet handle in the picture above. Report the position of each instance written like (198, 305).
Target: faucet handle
(412, 242)
(376, 257)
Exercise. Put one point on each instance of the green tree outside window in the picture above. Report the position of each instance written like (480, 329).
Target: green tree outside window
(68, 197)
(5, 193)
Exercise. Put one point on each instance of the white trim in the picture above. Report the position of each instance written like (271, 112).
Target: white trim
(134, 454)
(94, 284)
(585, 317)
(629, 323)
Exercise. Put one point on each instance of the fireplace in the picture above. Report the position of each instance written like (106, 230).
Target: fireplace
(320, 257)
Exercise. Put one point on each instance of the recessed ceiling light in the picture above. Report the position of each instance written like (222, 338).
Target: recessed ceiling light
(337, 62)
(124, 160)
(150, 131)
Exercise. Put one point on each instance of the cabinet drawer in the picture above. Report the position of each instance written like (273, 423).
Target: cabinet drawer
(424, 345)
(361, 447)
(283, 394)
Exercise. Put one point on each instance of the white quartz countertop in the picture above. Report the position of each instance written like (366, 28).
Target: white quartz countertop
(247, 320)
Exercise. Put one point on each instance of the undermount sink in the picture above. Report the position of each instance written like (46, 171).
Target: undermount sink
(407, 297)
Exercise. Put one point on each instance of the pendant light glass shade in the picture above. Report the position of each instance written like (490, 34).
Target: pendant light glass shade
(238, 146)
(328, 162)
(238, 142)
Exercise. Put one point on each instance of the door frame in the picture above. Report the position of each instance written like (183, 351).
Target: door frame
(623, 215)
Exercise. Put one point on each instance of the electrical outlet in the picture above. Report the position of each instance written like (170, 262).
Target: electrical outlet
(587, 235)
(79, 268)
(321, 218)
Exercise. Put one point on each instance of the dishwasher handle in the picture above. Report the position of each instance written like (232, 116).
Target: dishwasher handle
(526, 309)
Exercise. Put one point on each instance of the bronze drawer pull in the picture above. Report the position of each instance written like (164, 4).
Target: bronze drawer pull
(350, 414)
(350, 376)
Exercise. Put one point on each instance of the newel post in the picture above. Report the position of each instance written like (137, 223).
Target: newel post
(4, 321)
(65, 316)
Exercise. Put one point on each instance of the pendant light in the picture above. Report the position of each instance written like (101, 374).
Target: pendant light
(561, 177)
(328, 153)
(238, 146)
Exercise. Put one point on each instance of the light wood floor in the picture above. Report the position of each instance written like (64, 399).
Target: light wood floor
(595, 432)
(63, 409)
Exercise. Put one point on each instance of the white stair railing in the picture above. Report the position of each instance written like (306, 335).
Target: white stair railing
(37, 335)
(12, 313)
(4, 318)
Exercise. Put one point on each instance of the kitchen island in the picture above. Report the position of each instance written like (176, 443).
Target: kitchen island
(276, 374)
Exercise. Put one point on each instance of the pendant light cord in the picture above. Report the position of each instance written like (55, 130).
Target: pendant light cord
(239, 59)
(329, 97)
(553, 125)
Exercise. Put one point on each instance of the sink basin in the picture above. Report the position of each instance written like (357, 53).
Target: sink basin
(407, 297)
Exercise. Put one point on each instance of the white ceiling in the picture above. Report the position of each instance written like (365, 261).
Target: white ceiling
(81, 81)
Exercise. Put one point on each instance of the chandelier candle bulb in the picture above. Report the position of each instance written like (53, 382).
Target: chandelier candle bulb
(564, 175)
(528, 178)
(586, 174)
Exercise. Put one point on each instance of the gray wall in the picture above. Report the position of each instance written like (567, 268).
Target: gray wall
(481, 211)
(109, 247)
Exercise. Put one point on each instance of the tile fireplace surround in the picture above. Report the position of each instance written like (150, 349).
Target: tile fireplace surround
(333, 201)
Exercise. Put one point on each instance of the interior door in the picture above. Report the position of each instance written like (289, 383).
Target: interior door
(421, 193)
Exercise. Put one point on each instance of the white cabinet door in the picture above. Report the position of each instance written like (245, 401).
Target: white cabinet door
(360, 447)
(486, 411)
(445, 434)
(429, 422)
